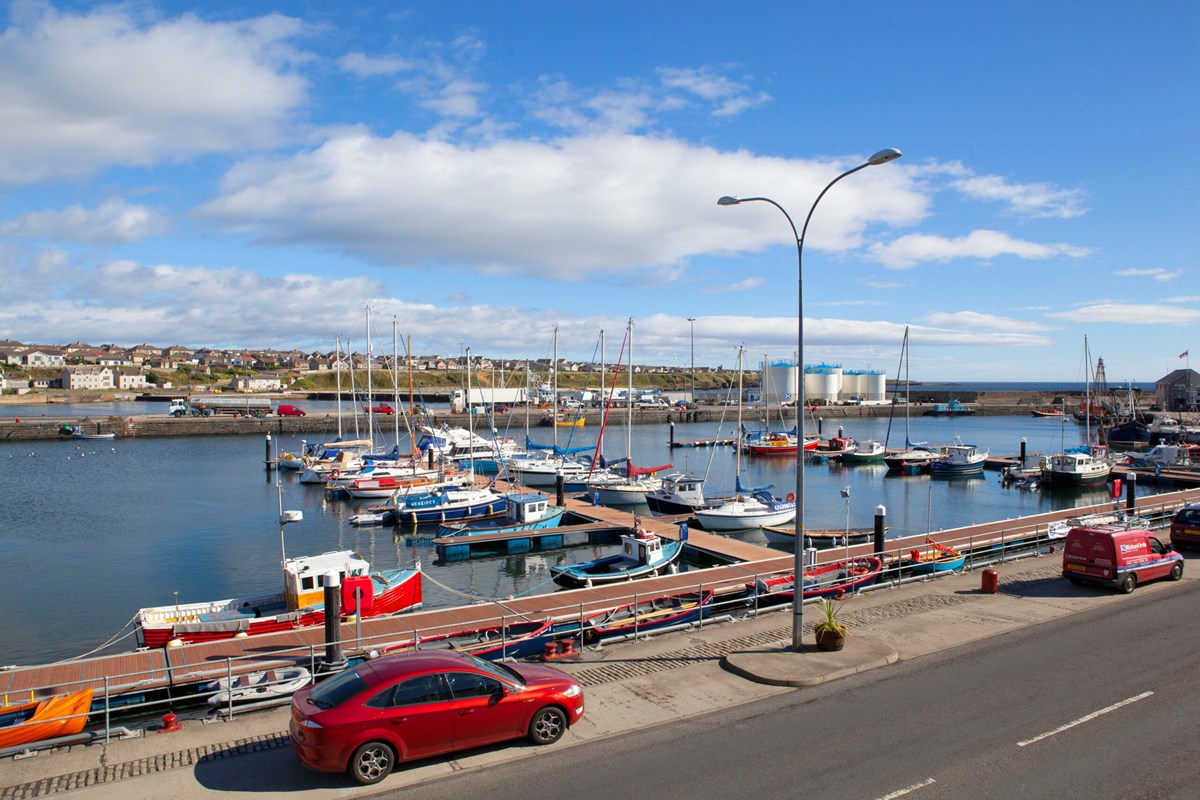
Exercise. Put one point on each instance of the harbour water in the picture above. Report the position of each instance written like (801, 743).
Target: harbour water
(90, 531)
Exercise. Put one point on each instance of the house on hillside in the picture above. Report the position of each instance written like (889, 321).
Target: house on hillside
(87, 376)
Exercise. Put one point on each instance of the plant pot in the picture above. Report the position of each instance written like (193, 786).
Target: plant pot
(830, 640)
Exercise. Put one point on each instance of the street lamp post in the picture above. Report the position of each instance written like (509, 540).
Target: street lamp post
(882, 157)
(692, 322)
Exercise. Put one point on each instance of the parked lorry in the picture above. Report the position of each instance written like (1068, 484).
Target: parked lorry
(207, 405)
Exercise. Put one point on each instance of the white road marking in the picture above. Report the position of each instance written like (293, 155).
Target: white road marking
(908, 789)
(1084, 719)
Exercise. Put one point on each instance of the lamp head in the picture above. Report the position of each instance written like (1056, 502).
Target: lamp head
(884, 156)
(728, 201)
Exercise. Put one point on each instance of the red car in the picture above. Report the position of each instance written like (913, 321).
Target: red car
(415, 705)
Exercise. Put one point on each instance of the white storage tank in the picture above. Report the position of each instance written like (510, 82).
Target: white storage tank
(778, 380)
(822, 382)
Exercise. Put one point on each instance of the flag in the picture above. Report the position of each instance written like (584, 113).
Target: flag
(1183, 354)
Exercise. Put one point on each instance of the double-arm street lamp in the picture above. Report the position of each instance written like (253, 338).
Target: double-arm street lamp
(882, 157)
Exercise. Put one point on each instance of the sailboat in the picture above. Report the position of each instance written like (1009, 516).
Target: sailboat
(545, 468)
(913, 458)
(749, 507)
(611, 488)
(1079, 466)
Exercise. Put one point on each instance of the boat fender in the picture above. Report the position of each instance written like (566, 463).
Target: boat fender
(916, 555)
(791, 498)
(840, 594)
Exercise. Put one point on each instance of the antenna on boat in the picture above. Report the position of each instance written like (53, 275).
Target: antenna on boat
(285, 517)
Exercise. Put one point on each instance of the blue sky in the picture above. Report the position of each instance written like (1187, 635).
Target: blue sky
(254, 175)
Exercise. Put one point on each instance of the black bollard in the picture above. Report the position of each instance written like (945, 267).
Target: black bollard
(671, 441)
(1130, 486)
(270, 459)
(558, 490)
(332, 581)
(1022, 461)
(430, 453)
(880, 527)
(820, 421)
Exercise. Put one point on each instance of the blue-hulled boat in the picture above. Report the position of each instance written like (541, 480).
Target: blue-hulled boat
(446, 504)
(522, 512)
(515, 640)
(960, 459)
(642, 555)
(935, 558)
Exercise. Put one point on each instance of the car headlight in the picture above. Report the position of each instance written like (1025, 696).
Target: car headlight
(574, 690)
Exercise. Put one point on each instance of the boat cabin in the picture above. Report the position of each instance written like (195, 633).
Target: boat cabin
(302, 577)
(526, 508)
(641, 547)
(685, 487)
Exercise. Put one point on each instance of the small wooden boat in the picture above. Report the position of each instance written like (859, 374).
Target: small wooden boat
(1046, 412)
(257, 686)
(78, 435)
(867, 451)
(826, 580)
(49, 718)
(935, 558)
(820, 537)
(647, 616)
(642, 554)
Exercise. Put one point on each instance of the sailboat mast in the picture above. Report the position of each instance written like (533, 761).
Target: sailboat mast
(337, 355)
(396, 382)
(737, 470)
(554, 389)
(370, 358)
(629, 406)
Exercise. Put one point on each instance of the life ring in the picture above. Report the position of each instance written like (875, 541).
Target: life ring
(858, 569)
(334, 474)
(791, 498)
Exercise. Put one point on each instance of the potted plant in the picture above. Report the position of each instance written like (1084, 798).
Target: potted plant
(830, 633)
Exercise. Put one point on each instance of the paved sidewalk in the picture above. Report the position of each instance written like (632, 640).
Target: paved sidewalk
(628, 686)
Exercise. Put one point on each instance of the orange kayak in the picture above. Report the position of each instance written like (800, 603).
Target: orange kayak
(62, 715)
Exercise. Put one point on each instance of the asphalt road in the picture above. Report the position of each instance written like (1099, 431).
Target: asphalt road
(1103, 704)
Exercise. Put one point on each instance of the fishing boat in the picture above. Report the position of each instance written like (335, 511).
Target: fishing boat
(960, 459)
(867, 451)
(642, 555)
(515, 640)
(951, 409)
(1046, 412)
(826, 580)
(253, 687)
(78, 435)
(680, 493)
(935, 558)
(1076, 467)
(522, 512)
(301, 604)
(653, 615)
(48, 718)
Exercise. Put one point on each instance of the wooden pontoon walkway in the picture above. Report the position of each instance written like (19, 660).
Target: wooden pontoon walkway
(131, 673)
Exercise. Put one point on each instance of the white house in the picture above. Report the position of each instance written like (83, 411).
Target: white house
(86, 376)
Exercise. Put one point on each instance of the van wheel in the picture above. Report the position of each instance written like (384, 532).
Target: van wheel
(1128, 583)
(1177, 571)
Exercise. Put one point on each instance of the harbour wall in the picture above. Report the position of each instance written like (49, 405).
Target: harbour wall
(324, 426)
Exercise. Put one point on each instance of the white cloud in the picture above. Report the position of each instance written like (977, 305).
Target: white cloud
(81, 92)
(113, 222)
(592, 206)
(964, 320)
(1129, 314)
(365, 66)
(909, 251)
(1026, 199)
(739, 286)
(1157, 273)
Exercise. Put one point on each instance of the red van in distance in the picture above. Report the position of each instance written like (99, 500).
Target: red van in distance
(1118, 558)
(288, 410)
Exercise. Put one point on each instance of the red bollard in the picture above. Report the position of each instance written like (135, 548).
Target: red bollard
(170, 723)
(991, 581)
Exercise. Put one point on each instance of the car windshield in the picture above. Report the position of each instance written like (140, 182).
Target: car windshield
(501, 671)
(337, 690)
(1189, 516)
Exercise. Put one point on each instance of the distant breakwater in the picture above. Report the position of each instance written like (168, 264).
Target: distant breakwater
(325, 425)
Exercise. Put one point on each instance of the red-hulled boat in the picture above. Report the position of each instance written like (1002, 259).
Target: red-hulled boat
(827, 580)
(301, 603)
